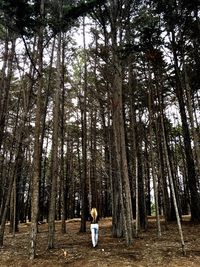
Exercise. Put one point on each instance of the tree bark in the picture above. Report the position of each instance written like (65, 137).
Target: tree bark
(151, 126)
(55, 139)
(5, 83)
(191, 172)
(62, 163)
(194, 131)
(37, 146)
(172, 187)
(120, 145)
(84, 142)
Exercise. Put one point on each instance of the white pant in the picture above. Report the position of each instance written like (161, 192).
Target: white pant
(94, 232)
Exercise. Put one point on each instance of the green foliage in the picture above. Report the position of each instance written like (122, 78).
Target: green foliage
(23, 16)
(147, 29)
(19, 16)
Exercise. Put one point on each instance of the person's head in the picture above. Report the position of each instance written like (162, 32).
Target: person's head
(94, 213)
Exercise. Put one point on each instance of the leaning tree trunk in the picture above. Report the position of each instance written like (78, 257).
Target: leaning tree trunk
(191, 172)
(165, 194)
(161, 154)
(172, 184)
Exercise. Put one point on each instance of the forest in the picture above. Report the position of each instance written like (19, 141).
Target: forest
(99, 107)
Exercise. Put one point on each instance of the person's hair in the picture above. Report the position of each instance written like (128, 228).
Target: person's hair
(94, 213)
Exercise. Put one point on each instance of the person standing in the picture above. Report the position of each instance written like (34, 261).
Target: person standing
(94, 227)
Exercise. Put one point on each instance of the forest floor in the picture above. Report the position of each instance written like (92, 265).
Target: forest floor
(75, 249)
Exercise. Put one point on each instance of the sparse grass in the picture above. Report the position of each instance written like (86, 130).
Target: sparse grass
(75, 249)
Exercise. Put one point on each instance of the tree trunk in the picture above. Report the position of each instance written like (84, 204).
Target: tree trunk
(43, 160)
(147, 174)
(6, 81)
(172, 186)
(137, 220)
(37, 147)
(62, 167)
(5, 84)
(194, 130)
(95, 198)
(54, 162)
(117, 201)
(151, 126)
(166, 202)
(12, 176)
(192, 176)
(140, 173)
(161, 152)
(120, 145)
(84, 142)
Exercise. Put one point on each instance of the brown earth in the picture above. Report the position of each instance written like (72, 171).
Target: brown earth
(75, 249)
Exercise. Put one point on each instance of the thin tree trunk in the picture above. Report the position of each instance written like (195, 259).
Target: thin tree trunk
(12, 176)
(95, 201)
(147, 172)
(134, 158)
(37, 147)
(8, 62)
(43, 131)
(194, 132)
(84, 141)
(150, 103)
(62, 167)
(5, 84)
(192, 175)
(137, 223)
(172, 186)
(3, 219)
(166, 203)
(54, 163)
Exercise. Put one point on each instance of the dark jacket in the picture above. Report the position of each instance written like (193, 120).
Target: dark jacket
(94, 221)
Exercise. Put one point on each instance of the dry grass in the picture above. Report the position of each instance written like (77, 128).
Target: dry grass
(75, 249)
